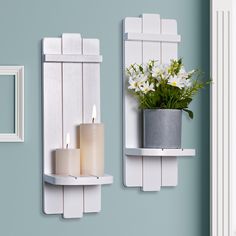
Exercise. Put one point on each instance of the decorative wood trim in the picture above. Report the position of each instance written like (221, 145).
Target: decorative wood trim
(18, 73)
(221, 147)
(72, 58)
(171, 38)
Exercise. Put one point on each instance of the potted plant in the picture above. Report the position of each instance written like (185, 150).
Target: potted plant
(163, 92)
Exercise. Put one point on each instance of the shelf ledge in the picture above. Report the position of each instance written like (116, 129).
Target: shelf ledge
(159, 152)
(77, 180)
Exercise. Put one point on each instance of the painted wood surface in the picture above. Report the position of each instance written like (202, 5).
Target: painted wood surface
(52, 122)
(169, 171)
(152, 37)
(159, 152)
(73, 202)
(71, 83)
(72, 80)
(72, 58)
(77, 180)
(132, 135)
(147, 38)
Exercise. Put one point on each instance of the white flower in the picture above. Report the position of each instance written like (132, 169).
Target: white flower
(136, 82)
(188, 83)
(177, 82)
(133, 85)
(146, 87)
(160, 71)
(183, 74)
(191, 72)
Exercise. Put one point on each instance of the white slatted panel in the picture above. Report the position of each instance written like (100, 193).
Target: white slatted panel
(52, 113)
(151, 51)
(91, 96)
(72, 116)
(70, 91)
(132, 121)
(149, 172)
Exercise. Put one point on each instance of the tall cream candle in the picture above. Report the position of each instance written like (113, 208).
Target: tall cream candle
(67, 160)
(92, 148)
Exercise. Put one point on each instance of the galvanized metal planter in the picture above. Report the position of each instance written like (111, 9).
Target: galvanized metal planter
(162, 128)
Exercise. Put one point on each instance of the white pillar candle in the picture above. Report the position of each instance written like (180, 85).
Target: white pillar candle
(92, 148)
(67, 160)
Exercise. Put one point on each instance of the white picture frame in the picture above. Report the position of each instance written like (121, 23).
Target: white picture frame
(18, 73)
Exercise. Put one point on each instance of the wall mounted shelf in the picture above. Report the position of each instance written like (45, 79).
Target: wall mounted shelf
(159, 152)
(71, 86)
(78, 180)
(147, 38)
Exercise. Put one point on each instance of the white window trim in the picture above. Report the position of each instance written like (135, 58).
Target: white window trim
(221, 118)
(18, 73)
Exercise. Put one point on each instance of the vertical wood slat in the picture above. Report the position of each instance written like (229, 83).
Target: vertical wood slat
(151, 173)
(53, 195)
(151, 51)
(92, 198)
(169, 171)
(72, 116)
(169, 51)
(151, 25)
(91, 96)
(73, 202)
(72, 89)
(132, 121)
(91, 81)
(52, 199)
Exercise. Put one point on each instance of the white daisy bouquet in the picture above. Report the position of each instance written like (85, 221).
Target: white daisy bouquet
(163, 86)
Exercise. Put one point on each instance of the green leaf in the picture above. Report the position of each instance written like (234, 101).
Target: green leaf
(190, 113)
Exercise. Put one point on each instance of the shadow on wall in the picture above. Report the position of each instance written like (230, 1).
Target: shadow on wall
(205, 118)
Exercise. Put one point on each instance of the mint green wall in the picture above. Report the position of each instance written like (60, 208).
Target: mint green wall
(180, 211)
(7, 96)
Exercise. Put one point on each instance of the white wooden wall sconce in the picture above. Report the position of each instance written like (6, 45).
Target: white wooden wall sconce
(147, 38)
(71, 86)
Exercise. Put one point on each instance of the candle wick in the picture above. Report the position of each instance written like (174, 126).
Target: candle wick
(67, 146)
(93, 120)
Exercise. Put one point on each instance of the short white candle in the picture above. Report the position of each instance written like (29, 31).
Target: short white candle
(68, 160)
